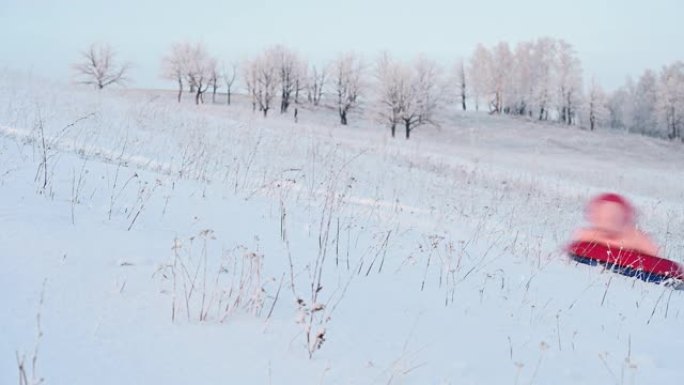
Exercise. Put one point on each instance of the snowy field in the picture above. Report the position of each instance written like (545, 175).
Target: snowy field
(146, 242)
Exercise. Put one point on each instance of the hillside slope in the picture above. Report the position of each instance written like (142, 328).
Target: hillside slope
(176, 244)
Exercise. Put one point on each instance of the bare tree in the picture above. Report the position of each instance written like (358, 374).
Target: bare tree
(316, 85)
(597, 109)
(290, 68)
(671, 99)
(461, 82)
(491, 74)
(569, 82)
(645, 105)
(98, 67)
(229, 75)
(409, 94)
(654, 105)
(262, 77)
(175, 64)
(501, 64)
(301, 79)
(423, 98)
(200, 70)
(300, 82)
(348, 72)
(214, 77)
(392, 79)
(621, 106)
(480, 73)
(524, 80)
(544, 77)
(251, 81)
(543, 69)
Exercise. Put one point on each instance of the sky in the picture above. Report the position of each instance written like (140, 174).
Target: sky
(613, 38)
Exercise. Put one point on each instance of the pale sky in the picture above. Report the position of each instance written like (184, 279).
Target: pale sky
(614, 38)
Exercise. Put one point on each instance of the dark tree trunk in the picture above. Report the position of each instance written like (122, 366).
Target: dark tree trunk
(199, 96)
(296, 98)
(463, 93)
(562, 118)
(343, 116)
(180, 89)
(674, 123)
(393, 127)
(228, 96)
(284, 101)
(408, 129)
(498, 103)
(265, 112)
(318, 95)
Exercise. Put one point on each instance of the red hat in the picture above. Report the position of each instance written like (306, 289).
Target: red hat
(627, 207)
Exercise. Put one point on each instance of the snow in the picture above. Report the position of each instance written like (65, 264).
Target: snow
(446, 267)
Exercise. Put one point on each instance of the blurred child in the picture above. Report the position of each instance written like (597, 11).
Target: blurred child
(612, 223)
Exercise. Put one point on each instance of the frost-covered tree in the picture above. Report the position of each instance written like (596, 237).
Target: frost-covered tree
(524, 80)
(317, 80)
(251, 80)
(191, 64)
(424, 95)
(98, 67)
(348, 82)
(200, 70)
(654, 105)
(500, 76)
(621, 106)
(480, 74)
(301, 83)
(569, 82)
(392, 80)
(214, 79)
(409, 94)
(175, 64)
(645, 105)
(262, 77)
(597, 110)
(543, 67)
(291, 69)
(541, 77)
(460, 76)
(671, 99)
(229, 74)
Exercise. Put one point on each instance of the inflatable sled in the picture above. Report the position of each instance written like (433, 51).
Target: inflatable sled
(628, 262)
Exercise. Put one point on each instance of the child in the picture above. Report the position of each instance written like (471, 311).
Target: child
(612, 224)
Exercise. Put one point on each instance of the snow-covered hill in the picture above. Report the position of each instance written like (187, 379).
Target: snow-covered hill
(172, 244)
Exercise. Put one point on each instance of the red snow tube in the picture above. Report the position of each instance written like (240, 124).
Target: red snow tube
(627, 262)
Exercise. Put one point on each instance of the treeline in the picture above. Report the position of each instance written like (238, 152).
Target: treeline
(541, 79)
(654, 105)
